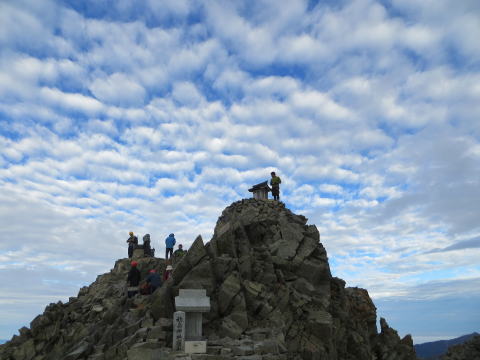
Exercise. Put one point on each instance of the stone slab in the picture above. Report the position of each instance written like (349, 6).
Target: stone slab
(195, 347)
(192, 305)
(192, 293)
(192, 300)
(178, 331)
(193, 326)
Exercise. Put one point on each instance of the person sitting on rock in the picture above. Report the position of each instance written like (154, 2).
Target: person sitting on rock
(168, 273)
(177, 254)
(275, 182)
(153, 280)
(169, 244)
(133, 279)
(132, 242)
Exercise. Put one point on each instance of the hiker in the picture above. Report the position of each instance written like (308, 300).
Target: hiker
(169, 244)
(132, 242)
(275, 182)
(168, 273)
(133, 279)
(147, 250)
(153, 280)
(177, 254)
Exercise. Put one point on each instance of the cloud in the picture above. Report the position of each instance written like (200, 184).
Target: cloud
(71, 101)
(186, 94)
(118, 89)
(461, 245)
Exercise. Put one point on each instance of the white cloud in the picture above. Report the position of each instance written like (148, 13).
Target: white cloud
(118, 89)
(331, 188)
(71, 101)
(186, 93)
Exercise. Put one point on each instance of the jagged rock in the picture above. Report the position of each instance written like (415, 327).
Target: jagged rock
(469, 350)
(272, 297)
(162, 303)
(228, 290)
(80, 351)
(199, 277)
(145, 351)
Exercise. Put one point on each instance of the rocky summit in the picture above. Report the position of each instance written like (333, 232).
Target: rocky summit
(271, 292)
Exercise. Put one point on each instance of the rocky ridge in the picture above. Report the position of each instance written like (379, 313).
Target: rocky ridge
(469, 350)
(272, 297)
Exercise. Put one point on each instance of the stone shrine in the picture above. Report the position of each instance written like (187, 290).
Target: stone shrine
(260, 191)
(191, 302)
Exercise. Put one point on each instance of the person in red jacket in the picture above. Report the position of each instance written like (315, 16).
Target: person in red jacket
(133, 279)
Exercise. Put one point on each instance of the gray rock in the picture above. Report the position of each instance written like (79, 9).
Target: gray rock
(157, 332)
(470, 350)
(80, 351)
(196, 252)
(162, 303)
(228, 290)
(146, 351)
(199, 277)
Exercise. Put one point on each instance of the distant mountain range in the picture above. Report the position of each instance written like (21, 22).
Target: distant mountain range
(433, 350)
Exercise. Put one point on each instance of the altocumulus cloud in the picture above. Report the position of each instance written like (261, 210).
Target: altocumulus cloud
(119, 116)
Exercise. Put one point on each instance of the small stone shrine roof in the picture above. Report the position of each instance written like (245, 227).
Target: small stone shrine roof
(261, 186)
(192, 300)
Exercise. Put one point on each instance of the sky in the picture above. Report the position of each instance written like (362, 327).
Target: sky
(153, 116)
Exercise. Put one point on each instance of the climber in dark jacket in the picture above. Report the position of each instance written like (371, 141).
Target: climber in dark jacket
(132, 242)
(133, 279)
(147, 250)
(275, 182)
(153, 280)
(178, 254)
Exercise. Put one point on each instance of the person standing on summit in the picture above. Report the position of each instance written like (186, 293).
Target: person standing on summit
(169, 244)
(132, 242)
(275, 182)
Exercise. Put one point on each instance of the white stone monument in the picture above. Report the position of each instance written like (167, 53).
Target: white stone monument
(178, 331)
(193, 302)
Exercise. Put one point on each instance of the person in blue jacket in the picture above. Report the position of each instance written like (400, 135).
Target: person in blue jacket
(153, 280)
(169, 244)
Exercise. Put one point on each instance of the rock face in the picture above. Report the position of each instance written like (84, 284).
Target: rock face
(469, 350)
(272, 297)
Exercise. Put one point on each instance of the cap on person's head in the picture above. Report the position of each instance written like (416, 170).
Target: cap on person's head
(180, 246)
(169, 267)
(272, 173)
(172, 234)
(134, 263)
(152, 271)
(131, 232)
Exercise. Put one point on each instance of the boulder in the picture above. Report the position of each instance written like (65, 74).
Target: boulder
(146, 351)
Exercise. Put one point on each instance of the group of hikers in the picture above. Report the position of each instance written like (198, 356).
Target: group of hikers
(170, 242)
(133, 244)
(153, 279)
